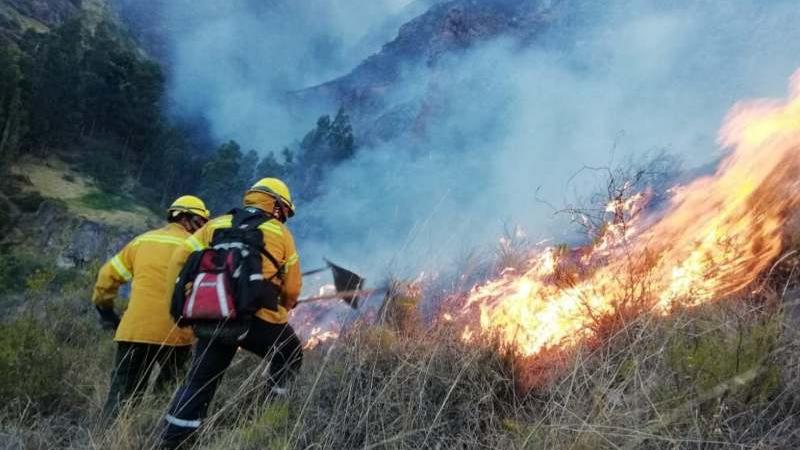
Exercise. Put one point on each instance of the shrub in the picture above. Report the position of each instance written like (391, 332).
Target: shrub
(32, 363)
(104, 162)
(732, 359)
(15, 268)
(106, 201)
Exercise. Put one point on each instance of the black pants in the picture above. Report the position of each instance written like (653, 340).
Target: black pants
(133, 364)
(213, 355)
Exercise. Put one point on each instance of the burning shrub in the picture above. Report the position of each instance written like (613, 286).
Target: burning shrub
(708, 239)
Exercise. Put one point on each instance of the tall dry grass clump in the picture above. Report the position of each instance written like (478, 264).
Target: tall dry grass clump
(720, 376)
(376, 388)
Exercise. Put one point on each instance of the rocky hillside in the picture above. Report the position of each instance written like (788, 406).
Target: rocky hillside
(17, 16)
(374, 91)
(64, 216)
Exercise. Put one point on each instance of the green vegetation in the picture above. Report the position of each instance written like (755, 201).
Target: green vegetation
(31, 362)
(107, 201)
(15, 267)
(88, 95)
(49, 347)
(711, 356)
(28, 201)
(328, 144)
(271, 430)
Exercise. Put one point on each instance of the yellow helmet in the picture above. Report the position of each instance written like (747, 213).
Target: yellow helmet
(189, 204)
(275, 188)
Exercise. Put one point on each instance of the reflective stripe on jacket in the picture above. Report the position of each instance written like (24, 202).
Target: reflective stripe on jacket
(278, 241)
(144, 262)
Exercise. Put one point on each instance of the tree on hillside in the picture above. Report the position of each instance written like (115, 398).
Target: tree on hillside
(54, 78)
(220, 177)
(340, 136)
(12, 114)
(121, 95)
(91, 95)
(175, 171)
(270, 167)
(247, 169)
(87, 94)
(288, 157)
(330, 143)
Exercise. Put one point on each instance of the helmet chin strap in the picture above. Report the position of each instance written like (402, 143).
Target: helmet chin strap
(192, 223)
(279, 211)
(197, 222)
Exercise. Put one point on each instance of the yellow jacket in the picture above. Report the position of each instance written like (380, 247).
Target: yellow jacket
(278, 241)
(144, 262)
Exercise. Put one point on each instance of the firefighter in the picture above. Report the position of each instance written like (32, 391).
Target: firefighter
(146, 335)
(268, 334)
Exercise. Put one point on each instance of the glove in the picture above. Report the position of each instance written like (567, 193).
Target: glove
(109, 320)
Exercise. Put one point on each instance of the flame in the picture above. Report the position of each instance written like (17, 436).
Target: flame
(318, 323)
(717, 234)
(318, 336)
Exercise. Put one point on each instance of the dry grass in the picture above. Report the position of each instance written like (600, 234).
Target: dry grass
(55, 180)
(719, 376)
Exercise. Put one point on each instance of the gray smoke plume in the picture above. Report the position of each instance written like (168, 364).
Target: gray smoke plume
(231, 63)
(514, 121)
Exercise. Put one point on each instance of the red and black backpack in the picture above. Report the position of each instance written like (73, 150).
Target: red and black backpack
(225, 282)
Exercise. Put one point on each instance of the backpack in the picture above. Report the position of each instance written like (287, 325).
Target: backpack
(224, 282)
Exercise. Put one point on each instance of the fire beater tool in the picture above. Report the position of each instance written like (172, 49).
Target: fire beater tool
(349, 286)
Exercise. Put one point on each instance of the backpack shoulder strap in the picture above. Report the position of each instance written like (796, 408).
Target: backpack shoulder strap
(247, 218)
(253, 218)
(278, 266)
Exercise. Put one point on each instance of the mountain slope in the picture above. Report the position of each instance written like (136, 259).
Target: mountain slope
(372, 92)
(17, 16)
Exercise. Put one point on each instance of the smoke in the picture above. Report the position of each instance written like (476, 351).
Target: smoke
(520, 122)
(513, 122)
(231, 63)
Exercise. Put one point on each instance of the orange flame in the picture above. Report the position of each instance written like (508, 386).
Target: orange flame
(319, 336)
(318, 322)
(714, 238)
